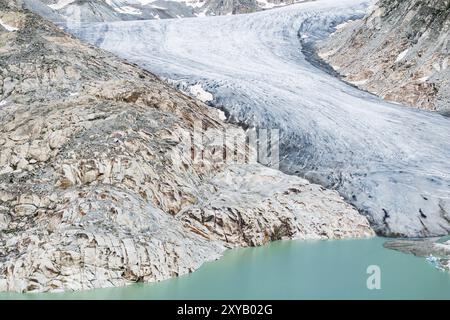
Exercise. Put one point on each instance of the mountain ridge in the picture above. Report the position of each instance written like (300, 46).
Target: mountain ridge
(400, 51)
(86, 11)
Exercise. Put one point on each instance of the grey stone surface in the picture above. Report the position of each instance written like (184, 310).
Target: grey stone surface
(400, 51)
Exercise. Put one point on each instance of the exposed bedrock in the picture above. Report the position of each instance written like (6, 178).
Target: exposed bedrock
(400, 51)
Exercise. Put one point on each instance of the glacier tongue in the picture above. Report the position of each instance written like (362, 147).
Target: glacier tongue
(391, 162)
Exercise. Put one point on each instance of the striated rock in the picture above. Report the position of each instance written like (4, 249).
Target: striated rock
(253, 205)
(103, 184)
(400, 52)
(421, 248)
(437, 252)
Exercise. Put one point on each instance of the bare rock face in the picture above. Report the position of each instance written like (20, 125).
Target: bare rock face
(248, 197)
(214, 7)
(100, 187)
(436, 252)
(399, 52)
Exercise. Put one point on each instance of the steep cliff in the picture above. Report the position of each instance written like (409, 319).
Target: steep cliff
(400, 51)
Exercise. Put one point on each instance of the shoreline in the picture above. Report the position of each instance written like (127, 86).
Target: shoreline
(245, 267)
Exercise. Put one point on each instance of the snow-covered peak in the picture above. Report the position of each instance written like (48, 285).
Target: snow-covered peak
(116, 10)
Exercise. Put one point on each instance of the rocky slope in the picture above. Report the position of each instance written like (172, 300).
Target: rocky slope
(119, 10)
(437, 252)
(400, 51)
(101, 182)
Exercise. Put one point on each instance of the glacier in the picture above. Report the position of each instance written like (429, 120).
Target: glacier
(390, 161)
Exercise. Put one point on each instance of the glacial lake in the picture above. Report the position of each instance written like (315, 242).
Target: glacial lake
(290, 270)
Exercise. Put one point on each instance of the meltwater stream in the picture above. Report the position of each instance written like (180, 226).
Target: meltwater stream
(290, 270)
(390, 161)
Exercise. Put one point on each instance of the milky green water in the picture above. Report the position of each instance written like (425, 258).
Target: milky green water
(291, 270)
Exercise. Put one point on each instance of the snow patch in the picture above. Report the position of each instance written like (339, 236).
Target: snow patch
(3, 103)
(202, 95)
(128, 10)
(266, 4)
(156, 16)
(157, 7)
(60, 4)
(402, 56)
(194, 4)
(8, 27)
(221, 115)
(189, 3)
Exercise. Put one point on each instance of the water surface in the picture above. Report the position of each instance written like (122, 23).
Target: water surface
(291, 270)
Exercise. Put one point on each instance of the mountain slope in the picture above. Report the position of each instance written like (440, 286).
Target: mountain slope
(116, 10)
(104, 182)
(400, 52)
